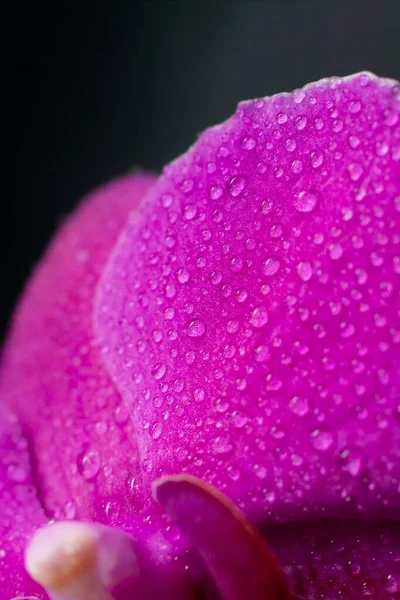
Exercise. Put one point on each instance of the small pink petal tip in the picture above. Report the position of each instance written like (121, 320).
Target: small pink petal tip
(236, 555)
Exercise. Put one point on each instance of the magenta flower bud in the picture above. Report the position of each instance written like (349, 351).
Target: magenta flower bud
(241, 326)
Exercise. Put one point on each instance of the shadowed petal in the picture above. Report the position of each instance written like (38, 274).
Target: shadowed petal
(233, 551)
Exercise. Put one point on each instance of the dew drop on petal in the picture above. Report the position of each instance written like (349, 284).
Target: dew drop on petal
(259, 317)
(195, 328)
(89, 463)
(271, 266)
(304, 271)
(306, 201)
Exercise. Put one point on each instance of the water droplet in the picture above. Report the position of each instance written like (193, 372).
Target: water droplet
(304, 271)
(199, 394)
(101, 427)
(297, 460)
(195, 328)
(236, 185)
(282, 118)
(290, 145)
(262, 354)
(306, 201)
(190, 357)
(297, 166)
(121, 415)
(156, 430)
(248, 143)
(260, 471)
(335, 251)
(382, 148)
(70, 510)
(166, 200)
(298, 96)
(159, 371)
(89, 463)
(266, 206)
(259, 317)
(354, 141)
(183, 275)
(276, 231)
(347, 330)
(215, 192)
(157, 335)
(393, 584)
(299, 405)
(347, 213)
(317, 158)
(273, 383)
(241, 296)
(239, 420)
(271, 266)
(351, 462)
(147, 465)
(17, 473)
(216, 277)
(355, 171)
(222, 445)
(301, 122)
(237, 264)
(322, 440)
(190, 212)
(391, 117)
(233, 473)
(232, 326)
(337, 125)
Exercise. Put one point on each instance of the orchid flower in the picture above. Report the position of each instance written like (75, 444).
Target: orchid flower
(200, 389)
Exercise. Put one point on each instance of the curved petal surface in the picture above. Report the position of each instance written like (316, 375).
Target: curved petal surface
(250, 313)
(52, 373)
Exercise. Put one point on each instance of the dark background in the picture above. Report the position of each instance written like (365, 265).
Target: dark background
(93, 89)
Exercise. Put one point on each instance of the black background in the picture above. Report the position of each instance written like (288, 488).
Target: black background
(93, 89)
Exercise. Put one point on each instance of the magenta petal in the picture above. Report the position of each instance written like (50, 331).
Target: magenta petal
(20, 509)
(234, 552)
(250, 314)
(52, 372)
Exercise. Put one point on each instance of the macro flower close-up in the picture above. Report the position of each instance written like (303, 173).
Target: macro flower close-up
(237, 320)
(200, 382)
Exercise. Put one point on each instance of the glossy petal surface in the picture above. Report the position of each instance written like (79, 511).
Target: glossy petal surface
(261, 277)
(249, 315)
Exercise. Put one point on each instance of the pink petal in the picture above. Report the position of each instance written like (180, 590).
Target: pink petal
(20, 509)
(52, 372)
(233, 551)
(250, 314)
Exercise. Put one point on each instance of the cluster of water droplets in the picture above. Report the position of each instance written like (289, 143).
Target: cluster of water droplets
(256, 298)
(349, 560)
